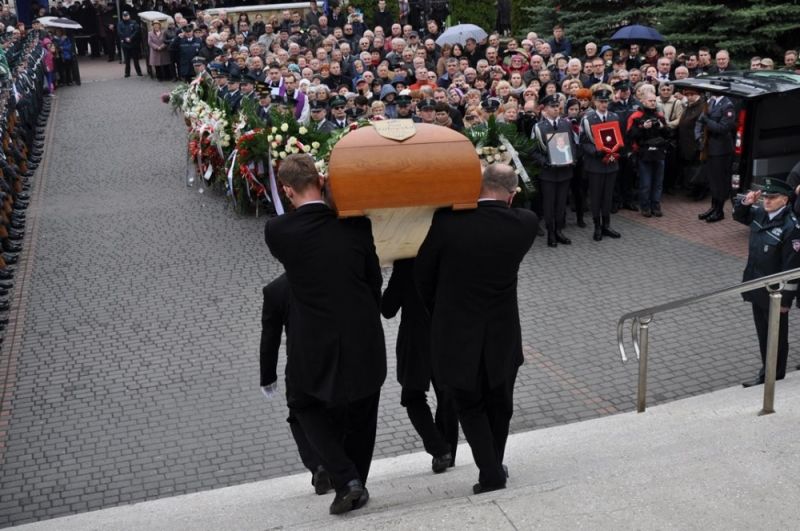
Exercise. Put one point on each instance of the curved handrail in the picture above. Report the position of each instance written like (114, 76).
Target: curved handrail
(778, 278)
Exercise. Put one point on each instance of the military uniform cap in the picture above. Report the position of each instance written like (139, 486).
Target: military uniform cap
(197, 60)
(317, 105)
(622, 85)
(338, 101)
(403, 99)
(602, 95)
(249, 78)
(235, 77)
(490, 105)
(550, 100)
(776, 186)
(427, 105)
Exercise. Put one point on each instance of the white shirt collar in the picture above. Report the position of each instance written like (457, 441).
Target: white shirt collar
(772, 215)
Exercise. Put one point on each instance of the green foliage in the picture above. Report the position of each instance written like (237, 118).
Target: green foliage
(744, 27)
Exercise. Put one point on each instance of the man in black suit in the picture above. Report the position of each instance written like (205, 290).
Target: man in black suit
(336, 359)
(466, 273)
(439, 435)
(274, 318)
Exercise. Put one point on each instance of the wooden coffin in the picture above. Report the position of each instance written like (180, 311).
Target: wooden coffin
(398, 173)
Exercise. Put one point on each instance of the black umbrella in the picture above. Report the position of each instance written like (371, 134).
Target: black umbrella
(636, 33)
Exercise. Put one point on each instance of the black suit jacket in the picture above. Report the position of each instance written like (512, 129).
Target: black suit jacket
(274, 317)
(336, 351)
(414, 335)
(466, 272)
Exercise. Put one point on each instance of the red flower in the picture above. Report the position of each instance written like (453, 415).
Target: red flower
(165, 97)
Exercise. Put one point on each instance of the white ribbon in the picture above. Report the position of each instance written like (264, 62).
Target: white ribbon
(518, 163)
(232, 158)
(273, 189)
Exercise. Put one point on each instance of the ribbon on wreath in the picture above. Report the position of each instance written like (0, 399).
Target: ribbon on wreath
(273, 188)
(232, 158)
(523, 173)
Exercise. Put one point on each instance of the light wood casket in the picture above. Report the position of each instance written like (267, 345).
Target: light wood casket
(398, 173)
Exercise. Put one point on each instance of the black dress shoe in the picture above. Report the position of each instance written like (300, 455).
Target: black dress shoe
(716, 216)
(581, 223)
(321, 480)
(560, 238)
(11, 247)
(347, 499)
(611, 233)
(362, 501)
(10, 258)
(759, 380)
(598, 233)
(479, 488)
(4, 306)
(631, 206)
(6, 285)
(441, 463)
(6, 275)
(551, 240)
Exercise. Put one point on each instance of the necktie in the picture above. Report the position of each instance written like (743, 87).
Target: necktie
(602, 118)
(553, 123)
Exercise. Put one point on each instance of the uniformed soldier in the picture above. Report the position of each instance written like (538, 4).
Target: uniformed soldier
(338, 116)
(247, 88)
(774, 247)
(234, 95)
(426, 111)
(555, 175)
(404, 109)
(600, 168)
(264, 101)
(717, 126)
(319, 118)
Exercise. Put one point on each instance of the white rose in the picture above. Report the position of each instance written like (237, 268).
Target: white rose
(279, 139)
(274, 130)
(282, 155)
(284, 127)
(306, 149)
(292, 140)
(315, 145)
(270, 138)
(303, 130)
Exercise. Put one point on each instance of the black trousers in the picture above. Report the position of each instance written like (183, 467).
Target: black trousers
(110, 45)
(761, 319)
(343, 436)
(485, 415)
(308, 456)
(718, 170)
(554, 203)
(439, 434)
(601, 192)
(132, 54)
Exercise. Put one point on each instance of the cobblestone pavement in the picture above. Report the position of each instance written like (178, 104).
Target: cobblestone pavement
(134, 369)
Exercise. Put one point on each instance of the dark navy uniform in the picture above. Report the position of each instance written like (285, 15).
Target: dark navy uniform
(774, 247)
(719, 124)
(553, 180)
(600, 175)
(626, 176)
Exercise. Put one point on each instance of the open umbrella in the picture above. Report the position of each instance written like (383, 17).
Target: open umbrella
(636, 33)
(460, 33)
(63, 23)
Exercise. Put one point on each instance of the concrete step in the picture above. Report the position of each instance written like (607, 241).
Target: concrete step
(704, 462)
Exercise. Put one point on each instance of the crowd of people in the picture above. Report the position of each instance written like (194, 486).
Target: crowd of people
(336, 68)
(24, 107)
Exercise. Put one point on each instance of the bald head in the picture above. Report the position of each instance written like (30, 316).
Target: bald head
(499, 181)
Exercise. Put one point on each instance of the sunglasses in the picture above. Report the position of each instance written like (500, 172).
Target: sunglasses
(338, 108)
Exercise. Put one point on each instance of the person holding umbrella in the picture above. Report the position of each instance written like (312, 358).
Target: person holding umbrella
(129, 34)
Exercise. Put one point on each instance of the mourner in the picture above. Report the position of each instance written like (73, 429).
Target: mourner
(466, 272)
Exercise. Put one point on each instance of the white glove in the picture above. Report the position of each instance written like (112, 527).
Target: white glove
(270, 390)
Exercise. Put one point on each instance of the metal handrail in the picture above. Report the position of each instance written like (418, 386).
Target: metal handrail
(641, 320)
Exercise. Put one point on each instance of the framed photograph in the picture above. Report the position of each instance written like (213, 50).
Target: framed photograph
(607, 136)
(559, 149)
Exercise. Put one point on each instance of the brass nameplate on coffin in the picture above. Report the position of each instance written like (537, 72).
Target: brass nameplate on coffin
(395, 129)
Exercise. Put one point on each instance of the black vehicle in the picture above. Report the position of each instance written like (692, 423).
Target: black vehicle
(768, 121)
